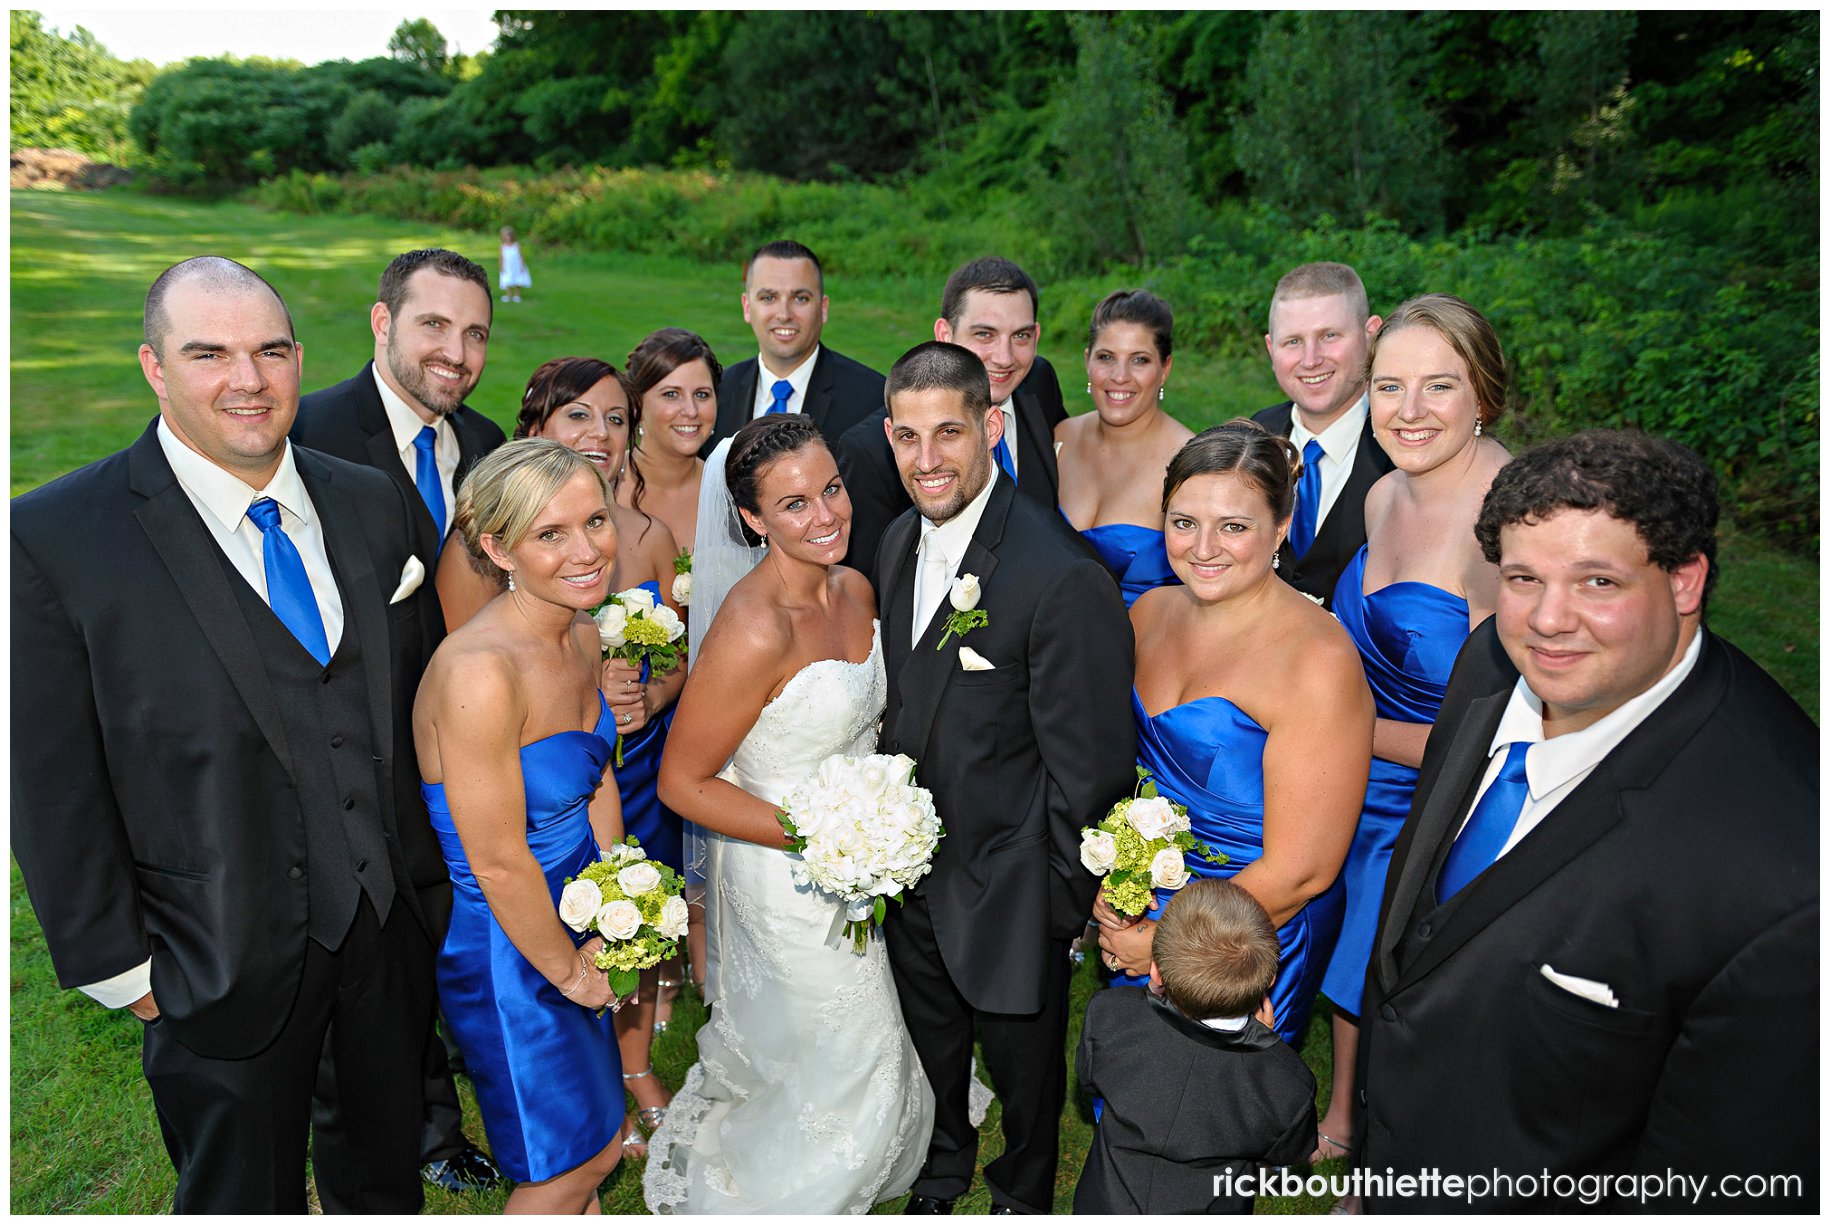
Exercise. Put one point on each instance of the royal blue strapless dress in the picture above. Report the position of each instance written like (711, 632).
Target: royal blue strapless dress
(1408, 635)
(1134, 555)
(547, 1074)
(1208, 755)
(654, 825)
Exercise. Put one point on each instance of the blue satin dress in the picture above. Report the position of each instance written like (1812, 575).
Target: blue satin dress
(655, 826)
(547, 1073)
(1135, 556)
(1208, 755)
(1408, 635)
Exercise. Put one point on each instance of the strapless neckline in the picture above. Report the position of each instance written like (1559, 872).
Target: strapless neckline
(869, 659)
(603, 712)
(1212, 697)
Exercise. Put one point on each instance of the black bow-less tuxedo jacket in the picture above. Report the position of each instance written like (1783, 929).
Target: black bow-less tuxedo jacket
(1344, 530)
(1682, 873)
(840, 393)
(156, 766)
(1019, 758)
(348, 420)
(877, 493)
(1185, 1103)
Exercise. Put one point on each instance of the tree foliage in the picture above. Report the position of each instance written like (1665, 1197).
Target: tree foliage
(68, 92)
(419, 42)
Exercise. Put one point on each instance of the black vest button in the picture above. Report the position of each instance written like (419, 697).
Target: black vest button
(1388, 1012)
(1424, 929)
(294, 873)
(362, 865)
(336, 742)
(348, 804)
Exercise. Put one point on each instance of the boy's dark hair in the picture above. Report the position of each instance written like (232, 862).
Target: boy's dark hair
(1215, 950)
(988, 275)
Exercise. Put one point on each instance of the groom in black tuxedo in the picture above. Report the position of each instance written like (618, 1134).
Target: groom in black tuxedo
(216, 638)
(1022, 729)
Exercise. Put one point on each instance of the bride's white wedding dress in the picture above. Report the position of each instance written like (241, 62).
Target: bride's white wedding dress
(807, 1096)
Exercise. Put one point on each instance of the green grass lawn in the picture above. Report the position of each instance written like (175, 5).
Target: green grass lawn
(84, 1138)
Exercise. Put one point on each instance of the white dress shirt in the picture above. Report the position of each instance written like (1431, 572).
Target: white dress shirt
(406, 425)
(766, 380)
(1340, 443)
(1009, 409)
(222, 502)
(951, 538)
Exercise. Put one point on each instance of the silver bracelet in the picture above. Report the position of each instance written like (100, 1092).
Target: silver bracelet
(584, 968)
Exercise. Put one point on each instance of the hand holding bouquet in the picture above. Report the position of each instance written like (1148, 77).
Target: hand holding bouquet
(633, 627)
(1140, 847)
(634, 904)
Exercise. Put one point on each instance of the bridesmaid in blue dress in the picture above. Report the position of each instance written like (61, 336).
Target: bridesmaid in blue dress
(513, 738)
(1251, 708)
(1409, 599)
(1111, 459)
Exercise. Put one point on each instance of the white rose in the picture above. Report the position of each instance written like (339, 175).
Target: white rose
(964, 595)
(636, 598)
(638, 878)
(1168, 870)
(668, 620)
(610, 621)
(1153, 818)
(619, 921)
(683, 589)
(673, 918)
(578, 902)
(1098, 851)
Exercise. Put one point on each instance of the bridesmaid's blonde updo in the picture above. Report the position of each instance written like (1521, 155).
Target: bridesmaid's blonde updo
(505, 493)
(1269, 462)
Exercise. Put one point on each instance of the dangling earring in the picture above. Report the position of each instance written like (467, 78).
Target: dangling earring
(1160, 393)
(1089, 386)
(1477, 427)
(511, 580)
(1276, 559)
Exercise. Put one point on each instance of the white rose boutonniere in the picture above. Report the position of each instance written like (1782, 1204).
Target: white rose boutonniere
(966, 614)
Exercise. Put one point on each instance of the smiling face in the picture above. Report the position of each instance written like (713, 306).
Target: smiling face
(1125, 371)
(1220, 532)
(567, 555)
(679, 411)
(943, 454)
(1586, 616)
(1001, 329)
(802, 507)
(783, 305)
(228, 383)
(596, 425)
(431, 351)
(1318, 352)
(1423, 402)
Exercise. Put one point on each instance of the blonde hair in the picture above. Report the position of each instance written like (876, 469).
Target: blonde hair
(1215, 950)
(1321, 280)
(505, 493)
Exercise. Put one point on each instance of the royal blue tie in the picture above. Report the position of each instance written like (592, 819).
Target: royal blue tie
(1308, 500)
(425, 475)
(1002, 451)
(781, 391)
(1484, 836)
(288, 586)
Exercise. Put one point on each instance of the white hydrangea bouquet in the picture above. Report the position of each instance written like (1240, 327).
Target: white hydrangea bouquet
(862, 830)
(633, 626)
(634, 904)
(1142, 846)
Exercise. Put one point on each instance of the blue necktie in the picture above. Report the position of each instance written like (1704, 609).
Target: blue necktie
(1484, 836)
(781, 391)
(1308, 500)
(425, 475)
(1002, 452)
(288, 586)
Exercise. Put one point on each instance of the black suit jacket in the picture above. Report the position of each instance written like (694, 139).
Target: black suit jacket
(1018, 758)
(348, 420)
(840, 393)
(868, 465)
(1185, 1104)
(1344, 530)
(1682, 873)
(156, 805)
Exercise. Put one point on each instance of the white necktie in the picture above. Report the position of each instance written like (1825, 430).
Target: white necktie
(930, 583)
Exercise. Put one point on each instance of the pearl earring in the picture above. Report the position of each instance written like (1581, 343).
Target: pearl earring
(511, 580)
(1276, 559)
(1160, 393)
(1089, 386)
(1477, 427)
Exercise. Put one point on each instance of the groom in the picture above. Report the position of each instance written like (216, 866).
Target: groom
(1022, 729)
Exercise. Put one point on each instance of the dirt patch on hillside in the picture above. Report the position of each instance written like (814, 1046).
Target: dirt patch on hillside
(64, 168)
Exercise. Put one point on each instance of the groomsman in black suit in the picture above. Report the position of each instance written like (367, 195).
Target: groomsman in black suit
(784, 302)
(216, 638)
(1319, 328)
(988, 306)
(1021, 727)
(1599, 948)
(404, 413)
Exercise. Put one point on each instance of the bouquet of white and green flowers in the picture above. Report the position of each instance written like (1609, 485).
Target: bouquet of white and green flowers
(633, 626)
(683, 578)
(1141, 846)
(634, 904)
(863, 831)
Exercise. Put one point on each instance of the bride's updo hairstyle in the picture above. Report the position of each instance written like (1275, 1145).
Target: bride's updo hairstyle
(505, 493)
(1269, 462)
(754, 448)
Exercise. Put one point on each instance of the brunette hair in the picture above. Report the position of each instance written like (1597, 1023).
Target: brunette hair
(1138, 306)
(659, 354)
(1215, 950)
(989, 275)
(1269, 462)
(937, 365)
(392, 291)
(561, 381)
(785, 248)
(1467, 332)
(753, 448)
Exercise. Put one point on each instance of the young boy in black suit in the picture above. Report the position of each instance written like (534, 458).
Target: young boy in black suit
(1196, 1084)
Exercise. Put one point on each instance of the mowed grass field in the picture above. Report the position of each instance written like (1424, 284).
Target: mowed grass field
(84, 1137)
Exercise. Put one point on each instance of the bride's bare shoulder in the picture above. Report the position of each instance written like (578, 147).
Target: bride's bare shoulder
(749, 626)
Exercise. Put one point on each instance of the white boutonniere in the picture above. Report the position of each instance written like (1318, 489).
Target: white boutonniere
(966, 614)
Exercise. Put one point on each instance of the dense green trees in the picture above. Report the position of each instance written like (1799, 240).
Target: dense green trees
(69, 93)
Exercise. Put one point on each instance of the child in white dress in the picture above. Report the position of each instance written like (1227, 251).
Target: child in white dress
(514, 275)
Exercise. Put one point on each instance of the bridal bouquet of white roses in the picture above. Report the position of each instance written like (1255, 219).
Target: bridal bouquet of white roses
(863, 831)
(634, 904)
(1141, 846)
(633, 626)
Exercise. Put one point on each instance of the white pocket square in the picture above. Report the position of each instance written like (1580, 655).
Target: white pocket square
(411, 576)
(1586, 988)
(971, 661)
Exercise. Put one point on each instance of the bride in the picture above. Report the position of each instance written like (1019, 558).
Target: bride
(807, 1096)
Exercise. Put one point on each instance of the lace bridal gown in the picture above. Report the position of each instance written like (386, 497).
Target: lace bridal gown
(807, 1096)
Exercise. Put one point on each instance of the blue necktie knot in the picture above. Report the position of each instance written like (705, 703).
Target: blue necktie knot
(1304, 519)
(1489, 826)
(289, 592)
(781, 391)
(426, 478)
